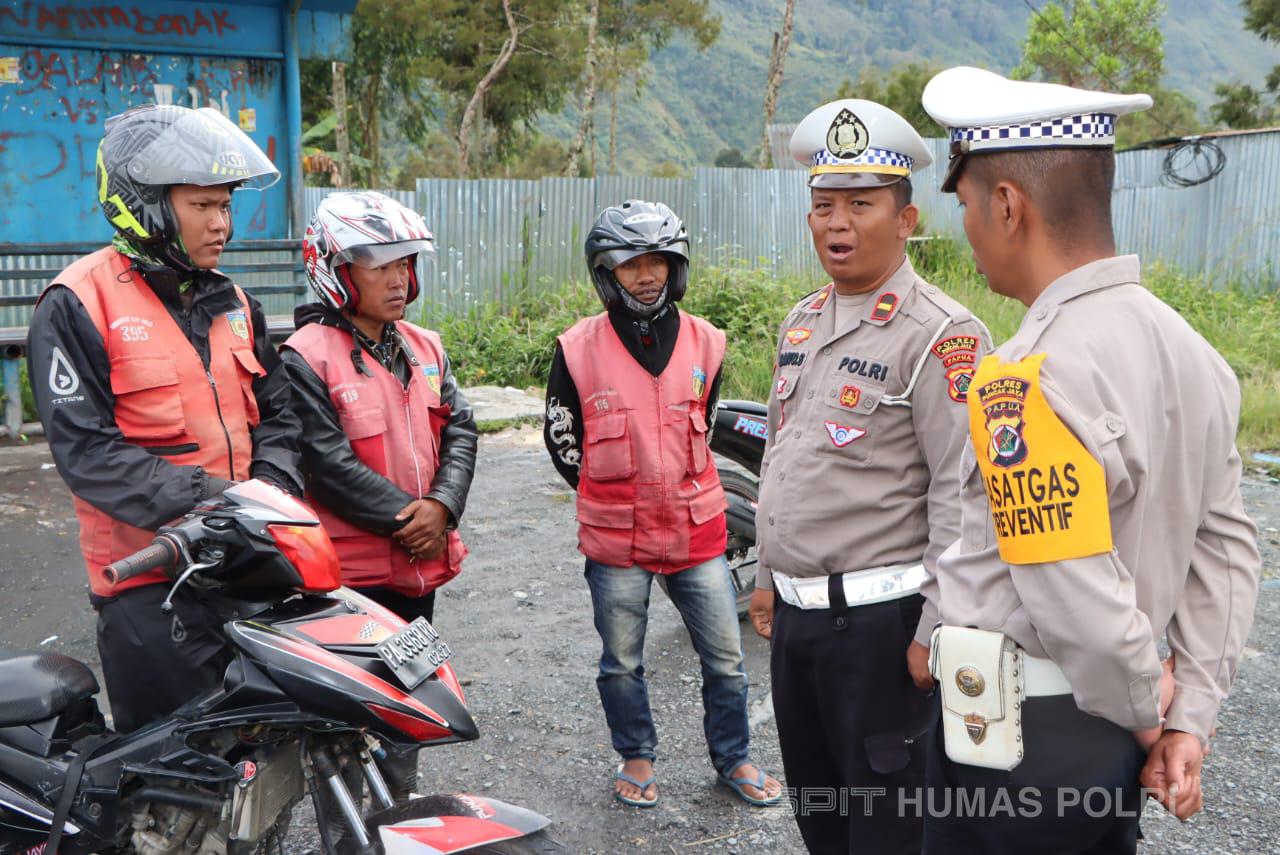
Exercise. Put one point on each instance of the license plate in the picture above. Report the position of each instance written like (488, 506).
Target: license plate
(414, 653)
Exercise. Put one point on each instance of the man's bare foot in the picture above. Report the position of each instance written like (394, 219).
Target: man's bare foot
(772, 788)
(641, 770)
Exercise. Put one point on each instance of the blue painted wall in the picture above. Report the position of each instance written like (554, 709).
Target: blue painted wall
(66, 66)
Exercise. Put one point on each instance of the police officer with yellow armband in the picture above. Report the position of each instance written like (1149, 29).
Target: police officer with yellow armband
(857, 496)
(1100, 503)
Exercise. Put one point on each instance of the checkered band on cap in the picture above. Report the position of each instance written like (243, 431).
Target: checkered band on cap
(869, 157)
(1087, 129)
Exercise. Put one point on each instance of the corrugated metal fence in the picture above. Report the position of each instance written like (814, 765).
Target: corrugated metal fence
(497, 237)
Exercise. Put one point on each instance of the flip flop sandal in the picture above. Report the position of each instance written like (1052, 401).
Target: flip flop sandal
(736, 784)
(641, 802)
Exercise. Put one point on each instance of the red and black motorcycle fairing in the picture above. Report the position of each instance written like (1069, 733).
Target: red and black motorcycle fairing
(306, 689)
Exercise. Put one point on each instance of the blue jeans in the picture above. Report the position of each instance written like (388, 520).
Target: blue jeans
(704, 597)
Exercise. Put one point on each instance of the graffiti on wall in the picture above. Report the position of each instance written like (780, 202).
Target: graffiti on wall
(107, 21)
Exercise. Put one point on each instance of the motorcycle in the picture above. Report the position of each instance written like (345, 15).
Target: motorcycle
(323, 683)
(741, 428)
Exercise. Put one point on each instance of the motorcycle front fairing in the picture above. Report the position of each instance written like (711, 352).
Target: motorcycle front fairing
(322, 653)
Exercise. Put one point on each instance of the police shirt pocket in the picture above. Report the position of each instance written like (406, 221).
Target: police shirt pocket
(785, 385)
(607, 455)
(249, 369)
(887, 753)
(698, 453)
(366, 431)
(845, 429)
(1106, 432)
(148, 402)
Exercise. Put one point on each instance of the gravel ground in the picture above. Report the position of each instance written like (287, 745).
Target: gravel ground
(519, 622)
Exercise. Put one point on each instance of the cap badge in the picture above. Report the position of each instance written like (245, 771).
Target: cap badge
(847, 137)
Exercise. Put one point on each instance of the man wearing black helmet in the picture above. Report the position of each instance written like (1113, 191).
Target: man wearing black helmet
(629, 402)
(157, 387)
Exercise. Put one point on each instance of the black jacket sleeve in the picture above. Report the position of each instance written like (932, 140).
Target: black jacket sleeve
(713, 398)
(71, 381)
(562, 430)
(275, 440)
(459, 440)
(334, 475)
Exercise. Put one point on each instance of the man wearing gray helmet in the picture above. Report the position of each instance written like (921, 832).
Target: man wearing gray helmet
(629, 404)
(157, 387)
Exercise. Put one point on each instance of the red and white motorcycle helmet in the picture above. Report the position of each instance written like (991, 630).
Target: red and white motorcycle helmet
(363, 228)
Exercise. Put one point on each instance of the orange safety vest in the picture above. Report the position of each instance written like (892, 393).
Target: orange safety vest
(165, 399)
(395, 431)
(648, 492)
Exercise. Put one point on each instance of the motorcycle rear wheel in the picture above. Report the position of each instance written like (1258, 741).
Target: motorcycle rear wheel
(740, 548)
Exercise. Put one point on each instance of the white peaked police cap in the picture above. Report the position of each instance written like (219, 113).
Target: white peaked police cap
(983, 111)
(856, 143)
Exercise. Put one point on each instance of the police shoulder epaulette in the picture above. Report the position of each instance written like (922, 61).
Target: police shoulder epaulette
(933, 303)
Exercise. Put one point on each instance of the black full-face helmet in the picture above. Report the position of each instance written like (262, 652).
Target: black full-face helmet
(634, 228)
(150, 148)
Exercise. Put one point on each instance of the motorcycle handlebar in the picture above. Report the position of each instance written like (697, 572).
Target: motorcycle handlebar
(162, 553)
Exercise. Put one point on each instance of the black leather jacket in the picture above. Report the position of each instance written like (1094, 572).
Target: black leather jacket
(337, 478)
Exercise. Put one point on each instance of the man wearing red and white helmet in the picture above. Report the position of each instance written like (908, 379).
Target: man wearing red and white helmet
(388, 440)
(377, 398)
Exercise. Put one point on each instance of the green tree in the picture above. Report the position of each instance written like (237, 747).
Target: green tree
(1113, 45)
(731, 158)
(899, 90)
(629, 31)
(1240, 105)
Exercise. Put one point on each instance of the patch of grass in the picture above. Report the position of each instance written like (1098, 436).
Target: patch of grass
(514, 347)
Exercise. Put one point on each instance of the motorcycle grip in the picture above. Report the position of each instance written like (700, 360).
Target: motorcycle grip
(161, 553)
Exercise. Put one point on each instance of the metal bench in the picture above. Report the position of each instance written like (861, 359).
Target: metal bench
(270, 270)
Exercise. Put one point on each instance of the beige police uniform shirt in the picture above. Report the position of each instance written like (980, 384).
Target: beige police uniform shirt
(1152, 402)
(856, 473)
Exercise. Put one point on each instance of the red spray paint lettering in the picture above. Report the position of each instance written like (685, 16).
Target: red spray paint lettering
(94, 19)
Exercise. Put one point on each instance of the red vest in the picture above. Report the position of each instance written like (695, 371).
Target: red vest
(648, 491)
(165, 400)
(395, 432)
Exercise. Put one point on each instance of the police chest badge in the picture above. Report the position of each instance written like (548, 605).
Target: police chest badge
(798, 335)
(842, 435)
(1046, 493)
(699, 381)
(849, 397)
(239, 323)
(847, 137)
(432, 373)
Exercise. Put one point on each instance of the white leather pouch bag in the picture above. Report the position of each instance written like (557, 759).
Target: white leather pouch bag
(980, 675)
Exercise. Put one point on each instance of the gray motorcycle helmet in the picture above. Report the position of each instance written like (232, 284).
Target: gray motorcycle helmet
(622, 232)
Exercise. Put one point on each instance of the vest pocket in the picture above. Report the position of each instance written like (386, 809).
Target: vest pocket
(148, 401)
(608, 451)
(249, 369)
(699, 454)
(606, 531)
(706, 505)
(366, 431)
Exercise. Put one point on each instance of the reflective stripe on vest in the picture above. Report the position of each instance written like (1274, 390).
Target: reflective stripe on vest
(165, 400)
(395, 432)
(648, 492)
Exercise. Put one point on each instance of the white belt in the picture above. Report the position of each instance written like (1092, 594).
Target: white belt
(1041, 677)
(861, 587)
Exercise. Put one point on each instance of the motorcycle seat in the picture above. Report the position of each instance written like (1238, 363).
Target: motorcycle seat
(37, 686)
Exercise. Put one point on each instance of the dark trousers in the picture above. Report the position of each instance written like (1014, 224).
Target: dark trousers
(1074, 793)
(156, 662)
(407, 607)
(851, 724)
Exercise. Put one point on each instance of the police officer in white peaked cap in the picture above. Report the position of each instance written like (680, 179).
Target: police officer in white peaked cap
(1100, 504)
(858, 488)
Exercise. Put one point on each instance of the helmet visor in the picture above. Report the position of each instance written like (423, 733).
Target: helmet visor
(611, 258)
(203, 147)
(378, 254)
